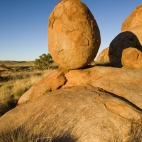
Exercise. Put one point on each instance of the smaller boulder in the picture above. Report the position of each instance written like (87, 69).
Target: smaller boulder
(132, 58)
(119, 43)
(103, 57)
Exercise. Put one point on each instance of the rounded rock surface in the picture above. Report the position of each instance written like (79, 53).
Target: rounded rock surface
(138, 32)
(134, 19)
(103, 57)
(73, 35)
(132, 58)
(119, 43)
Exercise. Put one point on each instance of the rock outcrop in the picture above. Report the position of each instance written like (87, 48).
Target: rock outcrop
(75, 114)
(92, 104)
(134, 19)
(123, 82)
(73, 35)
(119, 43)
(50, 83)
(132, 58)
(103, 57)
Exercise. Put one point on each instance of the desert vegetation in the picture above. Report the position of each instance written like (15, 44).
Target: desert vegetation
(16, 78)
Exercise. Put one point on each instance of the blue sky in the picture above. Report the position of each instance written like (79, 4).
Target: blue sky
(23, 24)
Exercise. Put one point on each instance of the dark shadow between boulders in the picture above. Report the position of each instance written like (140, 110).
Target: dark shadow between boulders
(119, 43)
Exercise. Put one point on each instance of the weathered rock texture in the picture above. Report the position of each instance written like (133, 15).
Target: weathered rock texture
(138, 32)
(73, 35)
(50, 83)
(132, 58)
(119, 43)
(103, 57)
(123, 82)
(134, 19)
(76, 114)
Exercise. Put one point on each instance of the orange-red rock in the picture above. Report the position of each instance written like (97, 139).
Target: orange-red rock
(73, 35)
(103, 57)
(138, 32)
(132, 58)
(134, 19)
(74, 114)
(123, 82)
(52, 82)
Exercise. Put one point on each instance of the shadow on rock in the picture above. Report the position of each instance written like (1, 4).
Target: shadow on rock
(119, 43)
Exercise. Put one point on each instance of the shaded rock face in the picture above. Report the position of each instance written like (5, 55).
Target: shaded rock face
(132, 58)
(73, 35)
(103, 57)
(75, 114)
(123, 82)
(119, 43)
(134, 19)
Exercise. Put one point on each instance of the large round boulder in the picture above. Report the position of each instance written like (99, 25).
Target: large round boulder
(134, 19)
(119, 43)
(73, 35)
(132, 58)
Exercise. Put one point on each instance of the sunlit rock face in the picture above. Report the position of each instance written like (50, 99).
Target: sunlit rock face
(132, 58)
(73, 35)
(133, 20)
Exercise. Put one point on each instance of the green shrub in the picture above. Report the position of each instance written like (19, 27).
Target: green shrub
(44, 62)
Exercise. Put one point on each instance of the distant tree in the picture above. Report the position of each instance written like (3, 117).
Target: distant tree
(44, 61)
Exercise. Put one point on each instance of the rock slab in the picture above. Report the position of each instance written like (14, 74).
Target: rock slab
(74, 114)
(73, 35)
(125, 83)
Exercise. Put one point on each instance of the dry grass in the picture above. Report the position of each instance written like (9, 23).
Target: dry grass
(14, 83)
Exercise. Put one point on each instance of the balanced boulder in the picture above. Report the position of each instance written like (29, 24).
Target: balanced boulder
(134, 19)
(132, 58)
(73, 35)
(119, 43)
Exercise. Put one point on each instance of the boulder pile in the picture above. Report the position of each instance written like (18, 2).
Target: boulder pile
(131, 36)
(77, 104)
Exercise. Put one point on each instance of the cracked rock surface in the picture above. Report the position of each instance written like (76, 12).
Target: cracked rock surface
(123, 82)
(75, 114)
(73, 35)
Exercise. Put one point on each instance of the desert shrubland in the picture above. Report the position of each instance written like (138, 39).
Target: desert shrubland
(14, 83)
